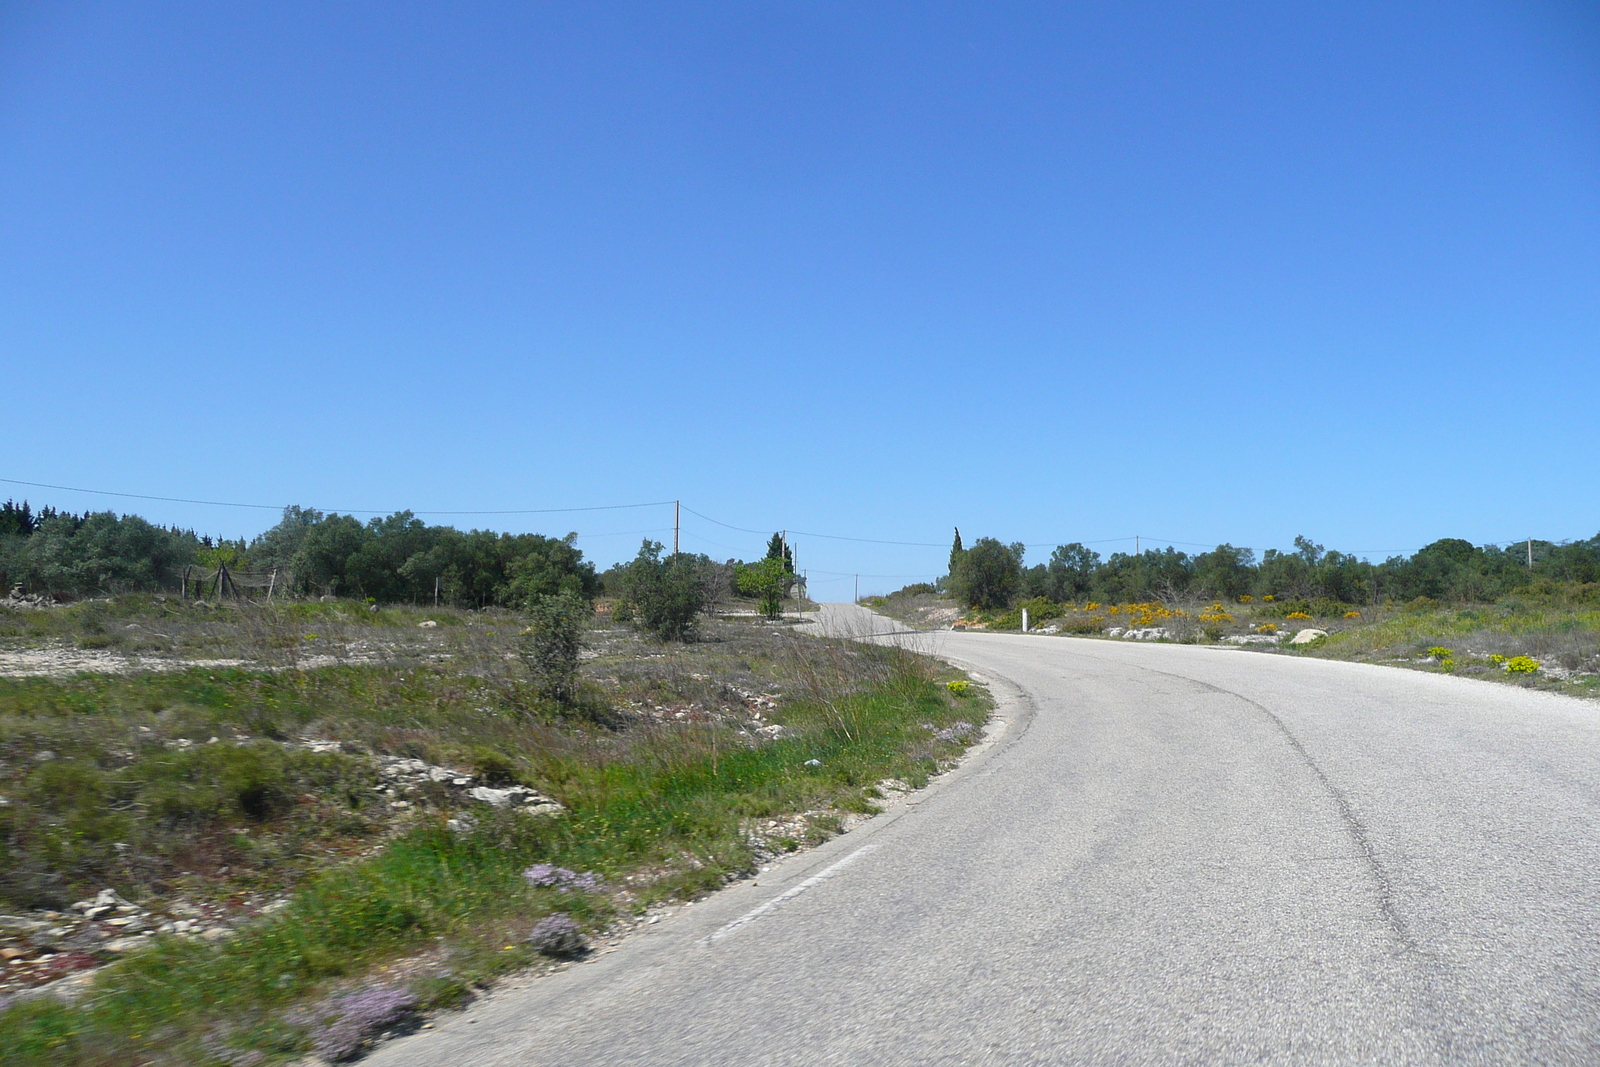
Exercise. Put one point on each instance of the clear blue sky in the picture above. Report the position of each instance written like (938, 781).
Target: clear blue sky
(1050, 272)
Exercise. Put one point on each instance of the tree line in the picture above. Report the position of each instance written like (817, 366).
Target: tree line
(394, 559)
(992, 575)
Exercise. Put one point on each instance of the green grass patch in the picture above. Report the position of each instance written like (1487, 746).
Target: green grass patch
(656, 806)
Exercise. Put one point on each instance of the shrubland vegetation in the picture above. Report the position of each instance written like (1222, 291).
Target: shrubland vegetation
(1451, 606)
(398, 559)
(240, 761)
(991, 575)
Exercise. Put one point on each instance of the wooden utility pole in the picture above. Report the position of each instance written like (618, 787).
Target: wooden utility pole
(436, 590)
(858, 589)
(677, 507)
(1530, 553)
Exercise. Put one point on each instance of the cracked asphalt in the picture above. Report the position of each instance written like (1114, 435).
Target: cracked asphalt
(1162, 854)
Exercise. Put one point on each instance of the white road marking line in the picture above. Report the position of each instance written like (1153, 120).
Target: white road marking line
(789, 894)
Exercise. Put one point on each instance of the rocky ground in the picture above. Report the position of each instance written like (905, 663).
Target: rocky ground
(56, 950)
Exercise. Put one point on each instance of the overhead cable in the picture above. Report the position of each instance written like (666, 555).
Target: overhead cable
(342, 511)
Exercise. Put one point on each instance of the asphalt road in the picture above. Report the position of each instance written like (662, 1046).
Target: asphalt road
(1166, 854)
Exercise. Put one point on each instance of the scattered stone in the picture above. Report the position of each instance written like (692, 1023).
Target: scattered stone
(530, 801)
(813, 763)
(428, 625)
(397, 767)
(1308, 635)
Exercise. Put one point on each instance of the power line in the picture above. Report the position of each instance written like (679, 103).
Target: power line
(622, 533)
(812, 533)
(343, 511)
(658, 503)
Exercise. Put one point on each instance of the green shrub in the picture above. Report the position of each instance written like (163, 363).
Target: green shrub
(1040, 609)
(550, 646)
(667, 596)
(1327, 608)
(988, 575)
(768, 581)
(495, 768)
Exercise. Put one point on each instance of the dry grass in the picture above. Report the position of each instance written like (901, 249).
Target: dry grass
(666, 761)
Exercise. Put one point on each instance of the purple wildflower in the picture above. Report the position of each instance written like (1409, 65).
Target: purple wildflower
(353, 1019)
(557, 935)
(547, 876)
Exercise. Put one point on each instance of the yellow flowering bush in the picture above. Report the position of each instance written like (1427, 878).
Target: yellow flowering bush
(1522, 665)
(1269, 598)
(1142, 614)
(958, 688)
(1297, 615)
(1267, 628)
(1352, 614)
(1246, 599)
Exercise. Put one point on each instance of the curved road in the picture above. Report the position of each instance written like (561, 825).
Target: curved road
(1168, 854)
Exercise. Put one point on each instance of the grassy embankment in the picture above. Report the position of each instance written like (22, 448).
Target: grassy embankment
(113, 780)
(1556, 627)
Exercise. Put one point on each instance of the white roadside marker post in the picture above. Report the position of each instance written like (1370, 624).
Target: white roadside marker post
(1024, 620)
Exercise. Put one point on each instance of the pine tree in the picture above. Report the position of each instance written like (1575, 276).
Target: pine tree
(776, 549)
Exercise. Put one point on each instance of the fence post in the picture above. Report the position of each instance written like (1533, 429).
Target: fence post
(1024, 620)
